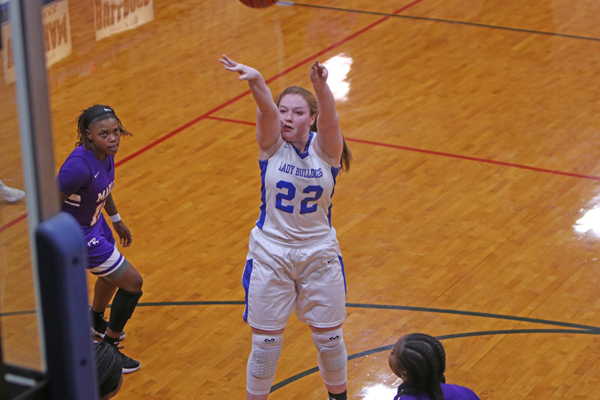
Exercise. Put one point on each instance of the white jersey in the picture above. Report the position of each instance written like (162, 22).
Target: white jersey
(296, 194)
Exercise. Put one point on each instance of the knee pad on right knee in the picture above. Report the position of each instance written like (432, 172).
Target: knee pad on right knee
(262, 363)
(333, 358)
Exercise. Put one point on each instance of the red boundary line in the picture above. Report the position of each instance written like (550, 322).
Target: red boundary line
(247, 92)
(235, 121)
(181, 128)
(484, 160)
(13, 222)
(439, 153)
(233, 100)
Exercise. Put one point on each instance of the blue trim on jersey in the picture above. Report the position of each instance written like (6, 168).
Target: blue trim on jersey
(305, 154)
(246, 284)
(334, 173)
(343, 272)
(263, 204)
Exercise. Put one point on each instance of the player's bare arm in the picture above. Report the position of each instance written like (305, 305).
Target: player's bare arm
(125, 237)
(329, 141)
(268, 126)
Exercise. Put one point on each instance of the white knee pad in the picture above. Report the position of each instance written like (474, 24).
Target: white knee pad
(333, 359)
(262, 363)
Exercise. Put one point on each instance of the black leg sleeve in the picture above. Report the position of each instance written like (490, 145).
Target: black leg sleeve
(123, 306)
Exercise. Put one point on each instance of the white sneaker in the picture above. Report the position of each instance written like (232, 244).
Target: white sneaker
(10, 194)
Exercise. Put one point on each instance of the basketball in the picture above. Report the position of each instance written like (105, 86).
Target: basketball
(258, 3)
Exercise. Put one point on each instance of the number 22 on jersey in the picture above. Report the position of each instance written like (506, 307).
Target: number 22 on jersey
(288, 193)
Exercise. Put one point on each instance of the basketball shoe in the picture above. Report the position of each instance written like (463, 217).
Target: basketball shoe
(129, 364)
(99, 325)
(10, 194)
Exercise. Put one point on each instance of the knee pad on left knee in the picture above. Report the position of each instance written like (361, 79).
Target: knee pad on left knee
(333, 358)
(262, 363)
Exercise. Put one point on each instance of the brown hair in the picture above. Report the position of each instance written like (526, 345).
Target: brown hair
(83, 124)
(314, 110)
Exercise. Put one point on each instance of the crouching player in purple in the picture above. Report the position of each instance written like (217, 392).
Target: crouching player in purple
(420, 361)
(85, 181)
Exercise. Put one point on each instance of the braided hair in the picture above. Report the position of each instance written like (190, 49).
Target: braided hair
(91, 115)
(423, 359)
(109, 367)
(314, 110)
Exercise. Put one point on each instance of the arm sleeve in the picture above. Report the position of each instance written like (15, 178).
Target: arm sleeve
(73, 175)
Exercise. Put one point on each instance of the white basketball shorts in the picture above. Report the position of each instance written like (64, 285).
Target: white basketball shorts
(308, 278)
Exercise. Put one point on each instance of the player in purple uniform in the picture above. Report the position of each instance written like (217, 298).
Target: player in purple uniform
(420, 361)
(294, 261)
(85, 181)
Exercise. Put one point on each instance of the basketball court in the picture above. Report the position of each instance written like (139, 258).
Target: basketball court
(470, 212)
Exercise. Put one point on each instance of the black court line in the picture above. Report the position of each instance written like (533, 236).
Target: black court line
(589, 328)
(14, 313)
(448, 21)
(516, 331)
(475, 314)
(191, 303)
(301, 375)
(579, 327)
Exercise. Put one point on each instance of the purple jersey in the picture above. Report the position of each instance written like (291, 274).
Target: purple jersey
(451, 392)
(88, 182)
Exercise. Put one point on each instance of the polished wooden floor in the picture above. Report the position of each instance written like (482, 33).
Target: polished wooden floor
(468, 213)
